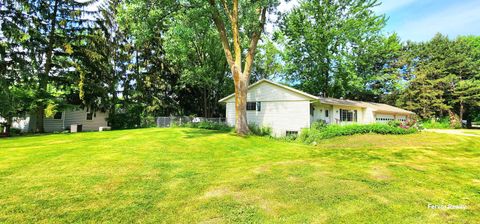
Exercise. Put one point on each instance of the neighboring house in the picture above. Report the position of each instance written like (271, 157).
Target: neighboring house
(287, 110)
(61, 121)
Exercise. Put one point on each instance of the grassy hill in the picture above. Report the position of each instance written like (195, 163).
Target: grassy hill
(185, 175)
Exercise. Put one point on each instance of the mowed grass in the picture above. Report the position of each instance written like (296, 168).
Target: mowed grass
(180, 175)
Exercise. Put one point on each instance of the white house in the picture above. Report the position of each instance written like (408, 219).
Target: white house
(287, 110)
(90, 121)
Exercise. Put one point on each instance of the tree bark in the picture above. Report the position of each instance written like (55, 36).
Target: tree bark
(461, 111)
(205, 103)
(8, 126)
(241, 88)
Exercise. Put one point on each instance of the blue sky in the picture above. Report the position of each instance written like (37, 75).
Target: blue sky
(419, 20)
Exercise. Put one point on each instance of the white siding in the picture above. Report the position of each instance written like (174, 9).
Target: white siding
(368, 116)
(280, 116)
(52, 125)
(80, 117)
(68, 118)
(281, 109)
(230, 114)
(319, 113)
(269, 92)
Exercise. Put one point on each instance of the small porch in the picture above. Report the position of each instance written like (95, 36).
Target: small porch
(336, 114)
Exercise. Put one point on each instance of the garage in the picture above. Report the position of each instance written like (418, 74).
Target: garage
(384, 118)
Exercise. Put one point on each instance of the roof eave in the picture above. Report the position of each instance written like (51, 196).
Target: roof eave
(311, 97)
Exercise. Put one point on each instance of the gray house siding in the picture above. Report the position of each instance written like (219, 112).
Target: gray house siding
(69, 117)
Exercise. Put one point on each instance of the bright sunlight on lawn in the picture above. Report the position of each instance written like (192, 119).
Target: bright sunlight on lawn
(191, 175)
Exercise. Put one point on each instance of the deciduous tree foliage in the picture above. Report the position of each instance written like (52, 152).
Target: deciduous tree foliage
(332, 47)
(192, 47)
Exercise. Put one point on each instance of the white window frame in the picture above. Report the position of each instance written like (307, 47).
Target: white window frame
(354, 115)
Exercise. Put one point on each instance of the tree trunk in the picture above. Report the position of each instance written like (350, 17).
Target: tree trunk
(39, 127)
(241, 88)
(8, 126)
(461, 111)
(205, 103)
(240, 78)
(48, 67)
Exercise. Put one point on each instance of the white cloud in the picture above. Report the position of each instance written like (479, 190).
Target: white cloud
(460, 19)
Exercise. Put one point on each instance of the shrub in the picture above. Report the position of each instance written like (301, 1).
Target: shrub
(288, 138)
(259, 130)
(124, 121)
(319, 125)
(313, 135)
(205, 125)
(148, 122)
(436, 123)
(15, 131)
(394, 123)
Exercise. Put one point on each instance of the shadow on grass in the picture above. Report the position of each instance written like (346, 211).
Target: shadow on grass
(198, 133)
(27, 135)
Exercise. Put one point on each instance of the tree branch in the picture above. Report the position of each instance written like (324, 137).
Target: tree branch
(221, 31)
(254, 41)
(227, 11)
(236, 37)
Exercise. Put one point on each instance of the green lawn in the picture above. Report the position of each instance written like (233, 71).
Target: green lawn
(191, 175)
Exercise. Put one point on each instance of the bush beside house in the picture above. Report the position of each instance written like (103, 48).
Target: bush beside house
(321, 131)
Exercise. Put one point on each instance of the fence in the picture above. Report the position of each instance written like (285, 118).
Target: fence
(168, 121)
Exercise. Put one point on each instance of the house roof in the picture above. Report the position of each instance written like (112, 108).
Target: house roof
(312, 97)
(381, 107)
(378, 107)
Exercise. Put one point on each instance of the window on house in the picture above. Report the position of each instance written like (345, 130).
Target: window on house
(90, 116)
(348, 115)
(291, 133)
(326, 113)
(312, 109)
(58, 116)
(254, 106)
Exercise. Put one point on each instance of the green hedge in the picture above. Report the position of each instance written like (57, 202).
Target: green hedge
(312, 135)
(259, 130)
(439, 123)
(207, 125)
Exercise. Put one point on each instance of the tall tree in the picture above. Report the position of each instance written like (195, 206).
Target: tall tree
(150, 81)
(251, 20)
(447, 71)
(50, 29)
(190, 46)
(328, 44)
(269, 61)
